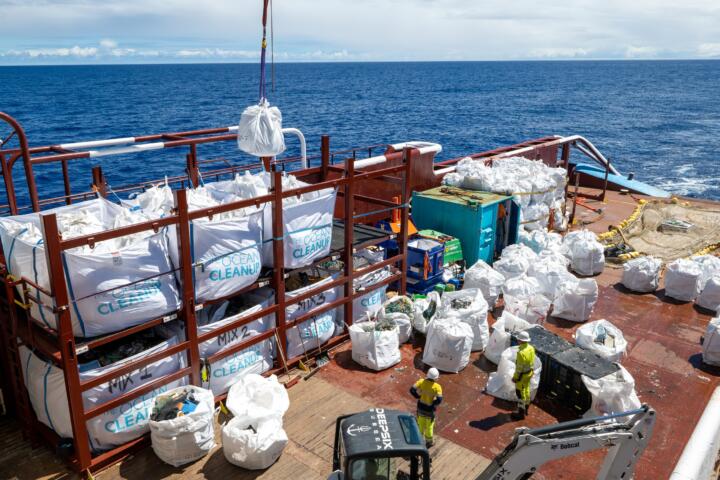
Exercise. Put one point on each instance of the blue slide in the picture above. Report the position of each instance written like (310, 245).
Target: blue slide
(622, 182)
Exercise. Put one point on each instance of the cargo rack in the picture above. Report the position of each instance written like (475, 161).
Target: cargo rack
(356, 202)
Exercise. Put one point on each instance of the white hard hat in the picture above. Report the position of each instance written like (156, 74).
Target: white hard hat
(523, 336)
(433, 374)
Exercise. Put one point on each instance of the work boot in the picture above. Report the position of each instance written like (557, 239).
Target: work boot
(429, 442)
(518, 413)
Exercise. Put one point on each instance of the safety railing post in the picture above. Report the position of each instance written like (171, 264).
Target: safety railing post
(349, 240)
(66, 181)
(279, 259)
(66, 339)
(192, 166)
(98, 181)
(188, 284)
(324, 156)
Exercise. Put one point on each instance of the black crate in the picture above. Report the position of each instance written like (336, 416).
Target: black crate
(546, 345)
(562, 378)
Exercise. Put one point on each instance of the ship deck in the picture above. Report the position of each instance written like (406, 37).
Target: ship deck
(663, 356)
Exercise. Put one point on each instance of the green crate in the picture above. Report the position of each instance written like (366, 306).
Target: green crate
(453, 249)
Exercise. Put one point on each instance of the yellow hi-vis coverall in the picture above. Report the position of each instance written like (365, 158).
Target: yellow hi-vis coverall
(524, 372)
(429, 395)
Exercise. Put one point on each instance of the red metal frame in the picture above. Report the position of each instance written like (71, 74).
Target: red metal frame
(62, 348)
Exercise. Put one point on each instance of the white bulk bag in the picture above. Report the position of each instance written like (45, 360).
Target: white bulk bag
(575, 299)
(613, 393)
(587, 255)
(475, 314)
(539, 240)
(448, 344)
(45, 385)
(253, 444)
(589, 335)
(519, 250)
(257, 397)
(425, 309)
(374, 349)
(318, 329)
(549, 275)
(501, 335)
(260, 130)
(500, 383)
(710, 266)
(533, 309)
(511, 267)
(185, 438)
(711, 343)
(307, 225)
(489, 281)
(642, 274)
(710, 296)
(404, 322)
(113, 286)
(535, 217)
(682, 280)
(226, 254)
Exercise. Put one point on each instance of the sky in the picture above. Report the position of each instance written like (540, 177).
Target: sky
(177, 31)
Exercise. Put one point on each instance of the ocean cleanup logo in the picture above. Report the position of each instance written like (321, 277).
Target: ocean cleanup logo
(374, 298)
(239, 264)
(238, 362)
(131, 295)
(134, 413)
(315, 240)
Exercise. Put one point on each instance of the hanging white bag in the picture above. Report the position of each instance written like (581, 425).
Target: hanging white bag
(709, 298)
(711, 343)
(260, 130)
(400, 311)
(448, 344)
(253, 444)
(470, 306)
(257, 397)
(603, 338)
(489, 281)
(500, 383)
(682, 280)
(642, 274)
(185, 438)
(425, 309)
(611, 394)
(373, 348)
(575, 299)
(500, 338)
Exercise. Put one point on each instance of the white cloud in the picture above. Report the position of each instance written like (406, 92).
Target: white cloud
(641, 52)
(559, 52)
(76, 51)
(108, 43)
(709, 50)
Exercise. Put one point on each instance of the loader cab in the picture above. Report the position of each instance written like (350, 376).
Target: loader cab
(379, 444)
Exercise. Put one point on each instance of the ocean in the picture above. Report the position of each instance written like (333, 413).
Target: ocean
(658, 119)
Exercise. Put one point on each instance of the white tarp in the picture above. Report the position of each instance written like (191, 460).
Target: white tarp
(711, 343)
(709, 298)
(603, 338)
(113, 286)
(257, 397)
(260, 130)
(470, 306)
(489, 281)
(682, 280)
(425, 309)
(586, 254)
(575, 299)
(642, 274)
(500, 383)
(376, 349)
(45, 385)
(614, 393)
(253, 444)
(448, 344)
(319, 328)
(185, 438)
(403, 321)
(501, 335)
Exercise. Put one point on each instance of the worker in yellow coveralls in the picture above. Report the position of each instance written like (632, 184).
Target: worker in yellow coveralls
(429, 395)
(524, 363)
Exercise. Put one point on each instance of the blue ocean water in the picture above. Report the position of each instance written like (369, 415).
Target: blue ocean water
(659, 119)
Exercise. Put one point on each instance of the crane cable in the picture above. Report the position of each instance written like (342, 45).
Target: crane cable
(263, 48)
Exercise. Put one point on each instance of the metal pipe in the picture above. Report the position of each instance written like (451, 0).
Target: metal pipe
(303, 145)
(700, 453)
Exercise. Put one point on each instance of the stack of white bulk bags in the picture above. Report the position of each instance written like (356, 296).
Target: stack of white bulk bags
(112, 285)
(524, 299)
(682, 280)
(45, 385)
(642, 274)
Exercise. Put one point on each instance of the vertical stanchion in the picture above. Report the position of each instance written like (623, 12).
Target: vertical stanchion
(566, 164)
(66, 181)
(279, 259)
(68, 358)
(408, 159)
(349, 240)
(192, 166)
(98, 181)
(188, 284)
(324, 156)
